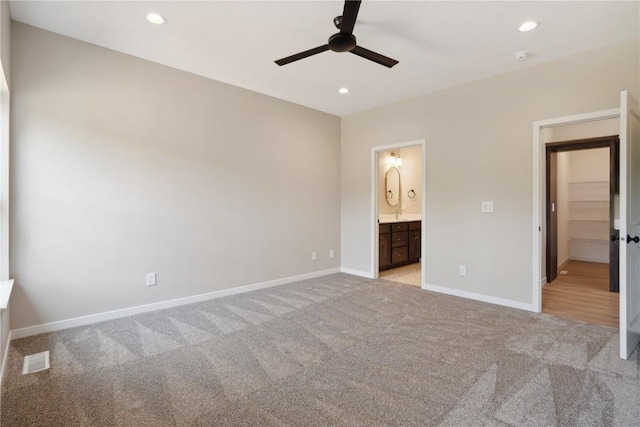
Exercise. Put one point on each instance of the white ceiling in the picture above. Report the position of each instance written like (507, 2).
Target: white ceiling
(439, 43)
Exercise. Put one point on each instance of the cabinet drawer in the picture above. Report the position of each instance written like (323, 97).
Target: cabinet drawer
(399, 254)
(399, 239)
(414, 225)
(384, 228)
(399, 226)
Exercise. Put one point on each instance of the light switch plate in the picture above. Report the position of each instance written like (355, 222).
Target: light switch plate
(487, 207)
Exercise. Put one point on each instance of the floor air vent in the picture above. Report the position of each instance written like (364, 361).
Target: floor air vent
(35, 362)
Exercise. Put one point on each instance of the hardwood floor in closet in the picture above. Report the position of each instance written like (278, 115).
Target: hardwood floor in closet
(582, 294)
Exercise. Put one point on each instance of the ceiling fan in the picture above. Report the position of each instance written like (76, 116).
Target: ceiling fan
(343, 41)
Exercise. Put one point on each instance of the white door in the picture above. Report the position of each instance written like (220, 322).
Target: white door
(629, 224)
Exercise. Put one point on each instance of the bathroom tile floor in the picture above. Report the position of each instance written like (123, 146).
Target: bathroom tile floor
(409, 274)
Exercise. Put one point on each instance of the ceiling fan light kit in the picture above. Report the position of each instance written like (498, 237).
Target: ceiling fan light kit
(343, 41)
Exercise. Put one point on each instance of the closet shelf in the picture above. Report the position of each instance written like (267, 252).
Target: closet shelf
(588, 182)
(580, 240)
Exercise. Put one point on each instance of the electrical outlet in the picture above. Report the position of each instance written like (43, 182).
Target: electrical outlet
(314, 256)
(151, 279)
(487, 207)
(331, 253)
(463, 270)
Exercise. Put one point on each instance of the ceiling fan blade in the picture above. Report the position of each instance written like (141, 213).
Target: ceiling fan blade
(302, 55)
(375, 57)
(349, 15)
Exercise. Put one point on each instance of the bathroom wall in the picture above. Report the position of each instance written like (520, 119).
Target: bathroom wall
(410, 179)
(383, 166)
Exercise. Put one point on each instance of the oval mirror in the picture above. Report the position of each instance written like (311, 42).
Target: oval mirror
(392, 186)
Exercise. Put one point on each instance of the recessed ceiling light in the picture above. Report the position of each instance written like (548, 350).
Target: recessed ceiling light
(156, 18)
(527, 26)
(343, 90)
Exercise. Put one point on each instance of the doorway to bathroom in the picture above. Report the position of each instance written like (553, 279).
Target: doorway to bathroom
(398, 207)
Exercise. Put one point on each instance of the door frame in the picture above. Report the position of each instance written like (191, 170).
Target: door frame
(612, 142)
(374, 205)
(539, 184)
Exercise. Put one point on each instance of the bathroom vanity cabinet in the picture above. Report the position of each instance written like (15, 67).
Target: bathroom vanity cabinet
(399, 244)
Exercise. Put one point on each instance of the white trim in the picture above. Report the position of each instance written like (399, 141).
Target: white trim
(357, 272)
(5, 293)
(374, 203)
(5, 101)
(375, 270)
(3, 368)
(538, 175)
(623, 212)
(115, 314)
(479, 297)
(543, 281)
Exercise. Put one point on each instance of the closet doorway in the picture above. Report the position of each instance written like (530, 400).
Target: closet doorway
(582, 241)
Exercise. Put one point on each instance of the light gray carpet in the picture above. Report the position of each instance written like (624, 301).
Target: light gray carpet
(339, 350)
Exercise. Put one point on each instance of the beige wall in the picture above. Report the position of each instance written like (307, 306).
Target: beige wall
(586, 130)
(479, 147)
(122, 167)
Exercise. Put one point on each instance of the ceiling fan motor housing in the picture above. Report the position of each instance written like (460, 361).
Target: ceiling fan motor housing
(343, 41)
(340, 42)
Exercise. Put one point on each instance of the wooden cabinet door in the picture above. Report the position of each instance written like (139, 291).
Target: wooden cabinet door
(384, 249)
(414, 244)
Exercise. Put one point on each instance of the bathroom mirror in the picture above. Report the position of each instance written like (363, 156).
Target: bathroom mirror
(392, 186)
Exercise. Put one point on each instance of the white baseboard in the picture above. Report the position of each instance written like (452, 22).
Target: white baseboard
(115, 314)
(3, 368)
(479, 297)
(357, 273)
(543, 281)
(599, 260)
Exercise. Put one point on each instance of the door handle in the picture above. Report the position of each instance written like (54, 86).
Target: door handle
(635, 239)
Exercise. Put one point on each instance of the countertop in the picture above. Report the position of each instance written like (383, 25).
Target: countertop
(389, 218)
